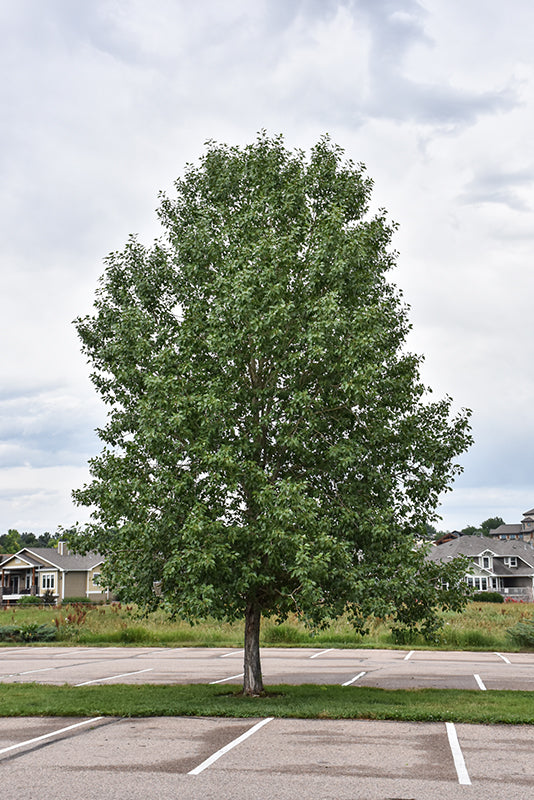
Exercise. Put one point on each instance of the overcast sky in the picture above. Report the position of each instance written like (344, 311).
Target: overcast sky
(102, 104)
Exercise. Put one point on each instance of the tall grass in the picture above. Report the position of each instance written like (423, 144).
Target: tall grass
(481, 626)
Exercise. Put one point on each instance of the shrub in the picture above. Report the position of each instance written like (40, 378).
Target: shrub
(29, 632)
(48, 598)
(487, 597)
(76, 600)
(522, 633)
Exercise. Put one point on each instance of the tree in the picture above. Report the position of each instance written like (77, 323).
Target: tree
(28, 539)
(11, 541)
(270, 447)
(470, 530)
(490, 524)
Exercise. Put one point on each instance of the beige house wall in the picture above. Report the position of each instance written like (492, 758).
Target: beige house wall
(75, 584)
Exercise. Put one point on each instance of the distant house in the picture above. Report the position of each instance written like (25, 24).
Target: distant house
(58, 574)
(524, 530)
(448, 537)
(497, 565)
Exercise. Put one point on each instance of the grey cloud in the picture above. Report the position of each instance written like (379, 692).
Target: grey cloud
(499, 186)
(47, 429)
(396, 28)
(428, 104)
(499, 456)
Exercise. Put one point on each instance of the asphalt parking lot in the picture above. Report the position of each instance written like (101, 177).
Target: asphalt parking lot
(197, 758)
(388, 669)
(246, 759)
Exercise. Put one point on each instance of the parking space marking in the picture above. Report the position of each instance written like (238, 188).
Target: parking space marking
(112, 677)
(480, 682)
(321, 653)
(233, 653)
(458, 757)
(353, 680)
(49, 735)
(409, 655)
(205, 764)
(506, 660)
(231, 678)
(28, 672)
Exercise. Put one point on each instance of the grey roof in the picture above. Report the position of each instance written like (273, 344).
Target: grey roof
(68, 563)
(528, 513)
(514, 528)
(24, 557)
(477, 545)
(508, 572)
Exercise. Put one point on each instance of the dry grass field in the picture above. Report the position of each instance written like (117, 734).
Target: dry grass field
(481, 626)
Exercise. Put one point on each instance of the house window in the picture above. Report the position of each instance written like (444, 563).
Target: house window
(96, 578)
(477, 583)
(494, 582)
(49, 581)
(502, 536)
(486, 562)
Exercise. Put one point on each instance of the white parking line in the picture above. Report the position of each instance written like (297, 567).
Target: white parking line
(353, 680)
(506, 660)
(222, 680)
(410, 654)
(316, 655)
(28, 672)
(479, 682)
(226, 748)
(456, 750)
(112, 677)
(233, 653)
(48, 735)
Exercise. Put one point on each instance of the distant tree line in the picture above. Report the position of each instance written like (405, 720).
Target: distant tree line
(12, 541)
(477, 530)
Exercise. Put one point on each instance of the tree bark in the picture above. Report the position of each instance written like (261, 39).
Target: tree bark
(252, 681)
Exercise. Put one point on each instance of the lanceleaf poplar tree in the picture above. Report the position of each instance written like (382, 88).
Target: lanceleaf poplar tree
(270, 447)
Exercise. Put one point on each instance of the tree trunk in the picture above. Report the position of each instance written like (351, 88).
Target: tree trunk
(252, 681)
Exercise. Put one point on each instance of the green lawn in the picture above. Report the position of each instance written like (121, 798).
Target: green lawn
(305, 702)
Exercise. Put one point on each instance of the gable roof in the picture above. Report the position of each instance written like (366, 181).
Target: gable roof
(21, 556)
(35, 556)
(475, 546)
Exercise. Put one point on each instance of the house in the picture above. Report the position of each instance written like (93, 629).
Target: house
(497, 565)
(524, 530)
(448, 537)
(58, 574)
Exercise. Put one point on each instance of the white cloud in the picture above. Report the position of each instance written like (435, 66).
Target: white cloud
(106, 101)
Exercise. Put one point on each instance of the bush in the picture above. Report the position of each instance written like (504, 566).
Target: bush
(522, 633)
(487, 597)
(30, 600)
(48, 598)
(76, 600)
(29, 632)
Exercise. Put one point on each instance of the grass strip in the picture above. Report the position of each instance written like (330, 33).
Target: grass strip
(304, 702)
